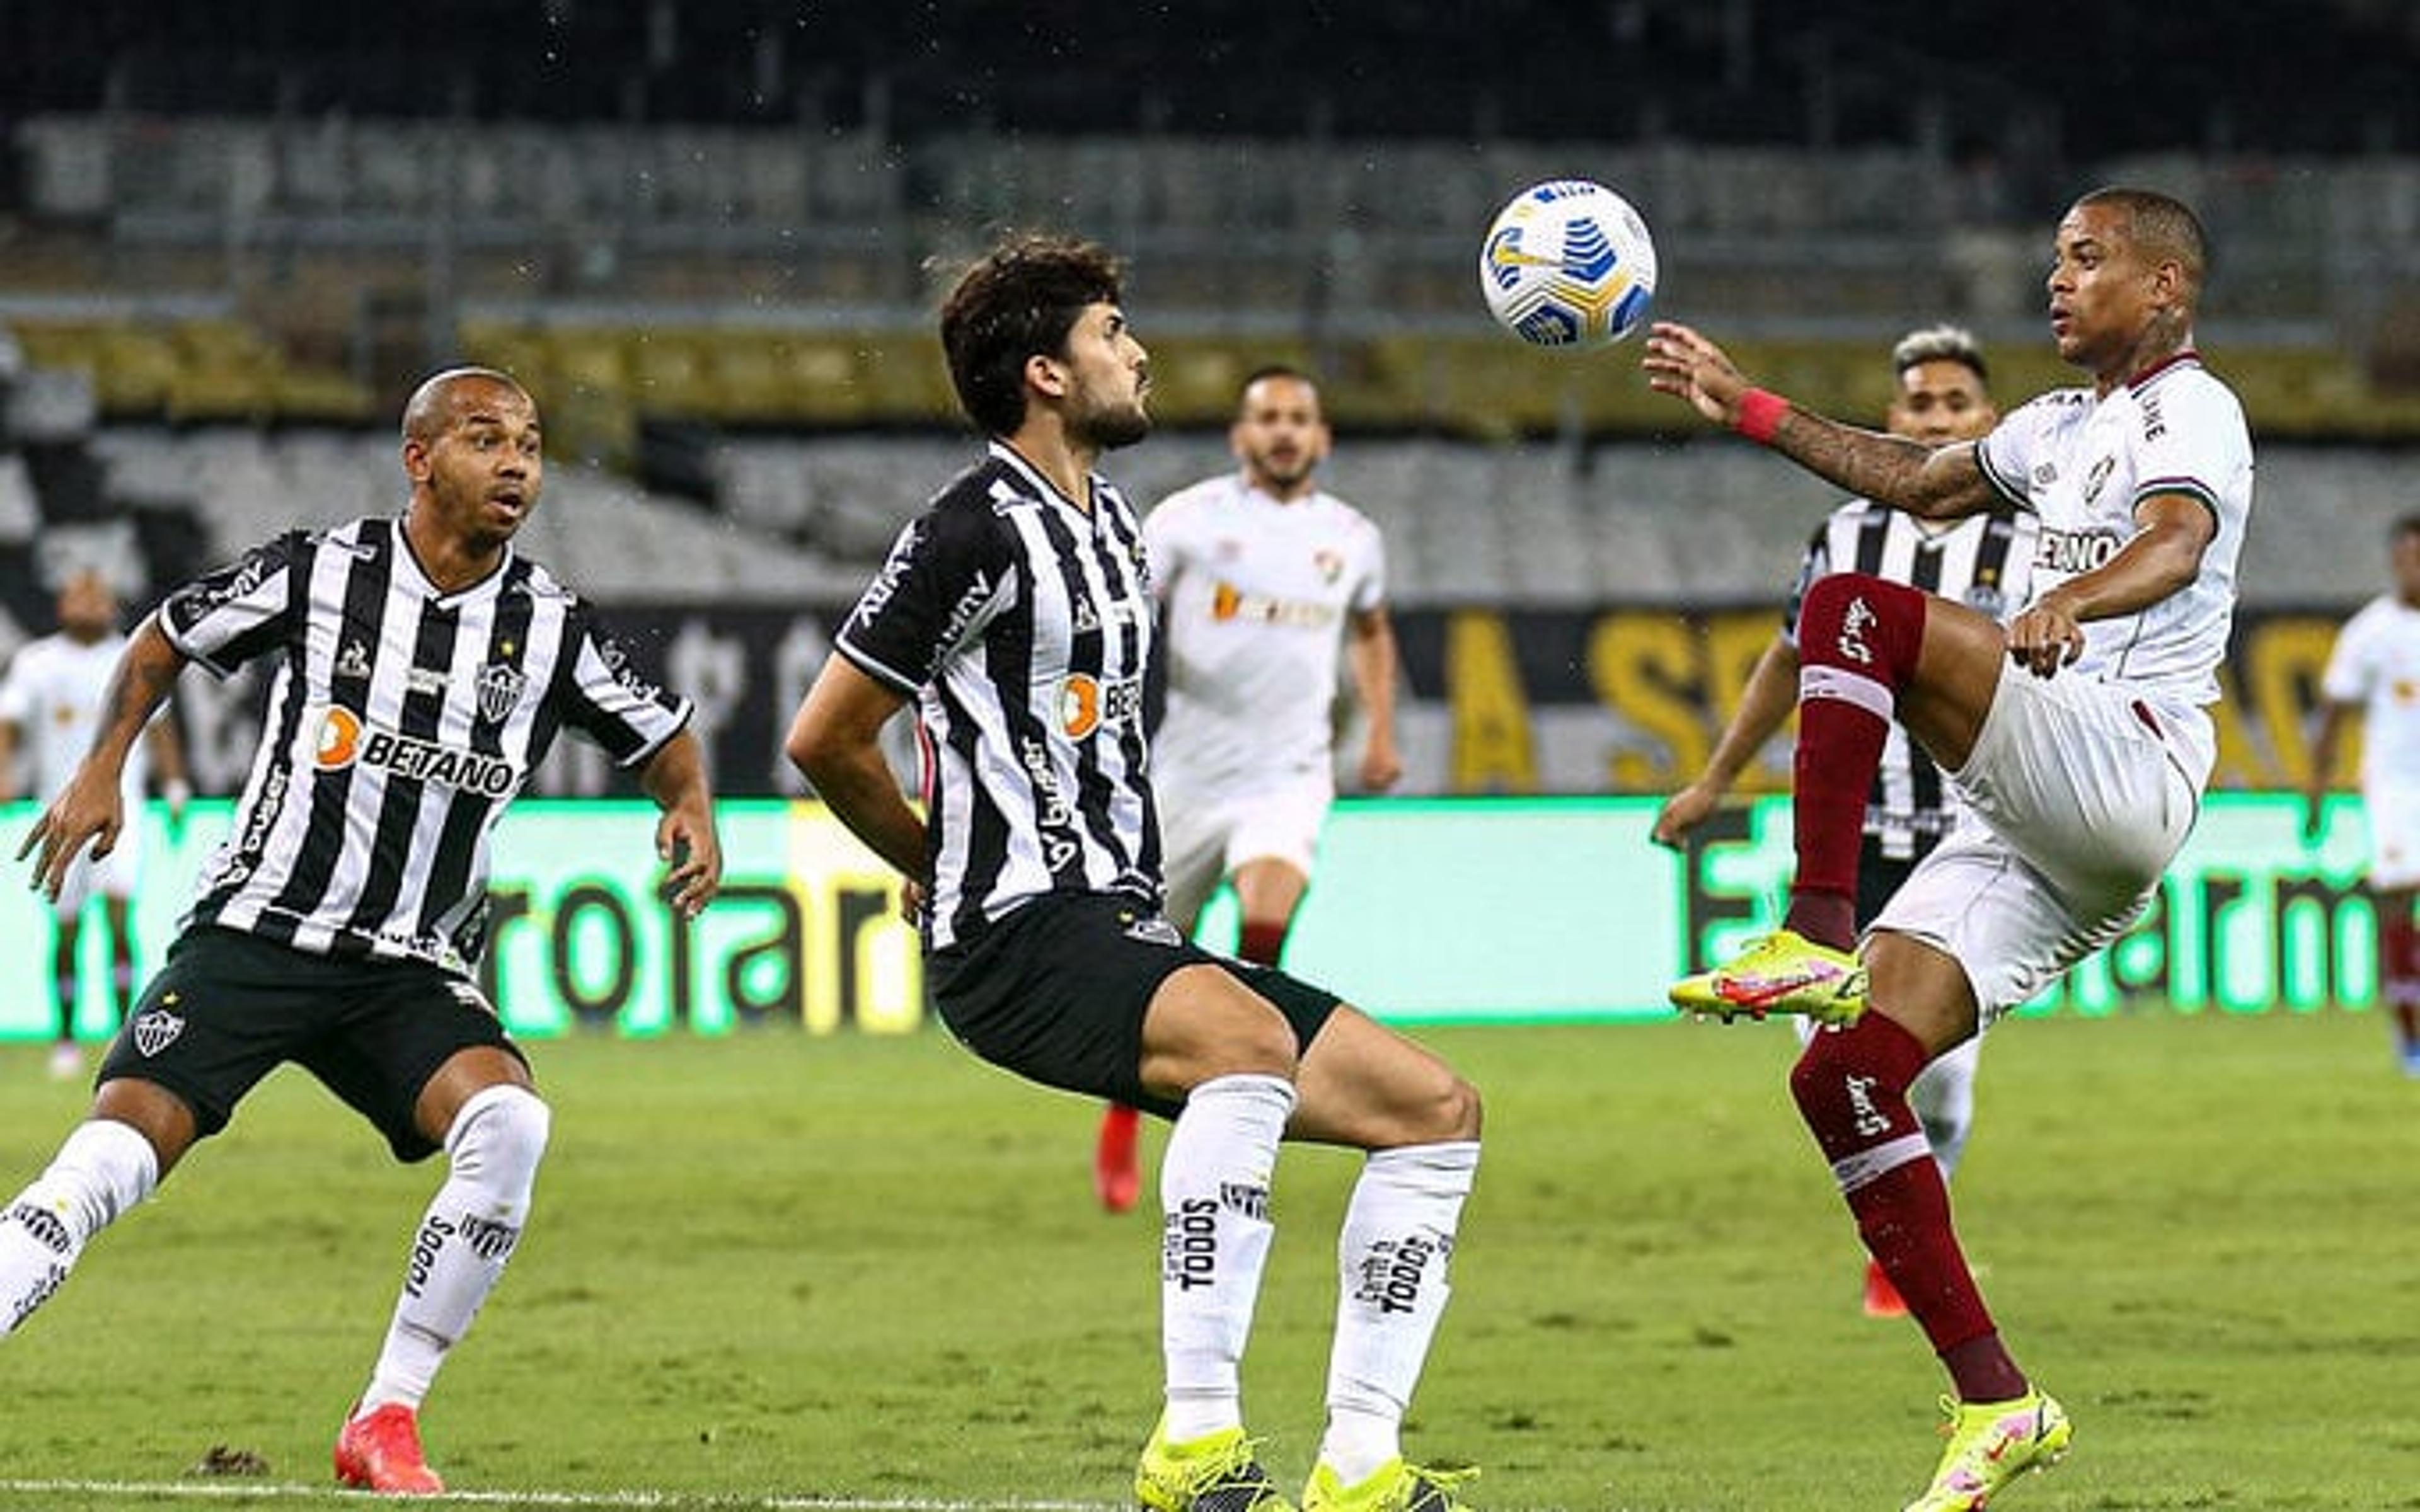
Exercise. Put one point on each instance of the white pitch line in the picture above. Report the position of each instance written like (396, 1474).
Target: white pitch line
(234, 1488)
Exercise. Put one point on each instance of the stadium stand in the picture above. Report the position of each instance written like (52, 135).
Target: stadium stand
(233, 248)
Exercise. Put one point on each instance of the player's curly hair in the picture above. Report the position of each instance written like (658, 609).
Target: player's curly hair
(1019, 301)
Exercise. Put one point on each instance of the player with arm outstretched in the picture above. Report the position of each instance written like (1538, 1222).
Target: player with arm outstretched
(1939, 394)
(2078, 734)
(420, 669)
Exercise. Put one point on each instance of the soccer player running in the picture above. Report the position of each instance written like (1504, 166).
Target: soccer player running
(1940, 393)
(1015, 613)
(2077, 734)
(2374, 671)
(422, 669)
(1269, 588)
(50, 706)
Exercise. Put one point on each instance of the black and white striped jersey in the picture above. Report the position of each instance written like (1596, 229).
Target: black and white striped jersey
(1984, 561)
(400, 721)
(1020, 624)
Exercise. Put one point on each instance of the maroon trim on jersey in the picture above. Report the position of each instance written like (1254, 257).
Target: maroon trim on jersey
(2137, 383)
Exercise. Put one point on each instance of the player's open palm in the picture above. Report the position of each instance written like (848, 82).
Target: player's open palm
(1682, 362)
(87, 812)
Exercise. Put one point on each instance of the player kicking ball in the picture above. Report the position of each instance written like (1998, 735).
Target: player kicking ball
(2078, 734)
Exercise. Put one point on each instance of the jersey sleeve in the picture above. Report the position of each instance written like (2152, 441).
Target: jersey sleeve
(2005, 455)
(948, 573)
(16, 691)
(1163, 545)
(610, 701)
(1371, 593)
(2194, 444)
(225, 618)
(2351, 672)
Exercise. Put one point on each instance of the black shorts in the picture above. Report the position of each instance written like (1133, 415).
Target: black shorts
(1055, 991)
(228, 1008)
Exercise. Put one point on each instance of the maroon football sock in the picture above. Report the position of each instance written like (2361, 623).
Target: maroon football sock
(1261, 941)
(2398, 968)
(1852, 1088)
(1858, 638)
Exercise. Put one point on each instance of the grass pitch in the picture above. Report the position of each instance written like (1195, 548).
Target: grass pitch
(781, 1272)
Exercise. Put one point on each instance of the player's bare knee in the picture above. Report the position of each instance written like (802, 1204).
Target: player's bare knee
(1463, 1111)
(1448, 1110)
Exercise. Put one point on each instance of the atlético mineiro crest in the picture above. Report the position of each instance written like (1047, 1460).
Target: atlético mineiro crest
(155, 1029)
(499, 690)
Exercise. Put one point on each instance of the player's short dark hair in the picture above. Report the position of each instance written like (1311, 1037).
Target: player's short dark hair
(2163, 225)
(1941, 343)
(2404, 525)
(1268, 371)
(1019, 301)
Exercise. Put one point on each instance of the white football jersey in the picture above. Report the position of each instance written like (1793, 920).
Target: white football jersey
(52, 694)
(2375, 664)
(2083, 463)
(1255, 601)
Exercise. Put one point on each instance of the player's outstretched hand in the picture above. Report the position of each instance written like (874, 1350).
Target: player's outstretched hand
(88, 811)
(691, 850)
(1682, 363)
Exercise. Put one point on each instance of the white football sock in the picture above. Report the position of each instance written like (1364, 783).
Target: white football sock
(103, 1168)
(1214, 1198)
(464, 1239)
(1398, 1237)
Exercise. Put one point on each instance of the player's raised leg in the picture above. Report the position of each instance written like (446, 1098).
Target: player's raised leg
(1869, 651)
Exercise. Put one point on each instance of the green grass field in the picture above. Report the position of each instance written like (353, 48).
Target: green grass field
(777, 1271)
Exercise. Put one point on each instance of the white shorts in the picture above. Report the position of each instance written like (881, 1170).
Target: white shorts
(1204, 839)
(2081, 804)
(113, 876)
(2393, 811)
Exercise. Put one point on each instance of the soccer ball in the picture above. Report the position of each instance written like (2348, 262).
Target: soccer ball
(1568, 263)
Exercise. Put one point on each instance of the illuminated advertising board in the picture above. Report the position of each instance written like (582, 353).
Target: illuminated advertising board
(1423, 910)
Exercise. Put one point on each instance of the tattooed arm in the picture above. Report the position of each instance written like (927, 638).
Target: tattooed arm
(1934, 481)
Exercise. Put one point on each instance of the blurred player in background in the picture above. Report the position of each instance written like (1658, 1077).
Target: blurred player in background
(1270, 589)
(2078, 734)
(1940, 394)
(1016, 612)
(2375, 672)
(50, 704)
(421, 671)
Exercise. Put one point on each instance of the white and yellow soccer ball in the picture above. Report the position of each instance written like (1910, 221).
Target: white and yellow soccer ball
(1568, 263)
